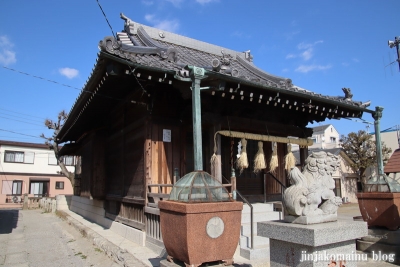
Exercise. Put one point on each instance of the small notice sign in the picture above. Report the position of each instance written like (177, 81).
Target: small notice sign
(166, 135)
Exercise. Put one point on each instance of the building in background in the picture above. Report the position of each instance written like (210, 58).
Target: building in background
(324, 137)
(346, 179)
(390, 137)
(31, 168)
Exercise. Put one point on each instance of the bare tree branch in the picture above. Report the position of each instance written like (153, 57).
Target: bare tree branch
(52, 143)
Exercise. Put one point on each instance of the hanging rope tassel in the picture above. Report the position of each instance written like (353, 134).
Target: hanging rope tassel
(290, 160)
(242, 161)
(259, 159)
(273, 164)
(214, 159)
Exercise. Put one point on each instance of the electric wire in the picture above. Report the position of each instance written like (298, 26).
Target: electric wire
(104, 14)
(19, 117)
(20, 133)
(65, 85)
(22, 113)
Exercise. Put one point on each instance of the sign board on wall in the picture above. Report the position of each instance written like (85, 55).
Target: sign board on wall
(166, 135)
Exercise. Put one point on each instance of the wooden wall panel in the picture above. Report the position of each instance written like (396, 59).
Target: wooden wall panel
(134, 162)
(86, 157)
(164, 156)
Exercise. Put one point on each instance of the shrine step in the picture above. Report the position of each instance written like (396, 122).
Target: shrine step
(261, 216)
(255, 254)
(261, 212)
(258, 242)
(259, 207)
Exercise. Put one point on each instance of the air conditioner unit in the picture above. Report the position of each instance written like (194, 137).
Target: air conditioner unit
(16, 199)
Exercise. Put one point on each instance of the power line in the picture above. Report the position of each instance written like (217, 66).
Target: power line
(104, 14)
(22, 113)
(20, 117)
(21, 121)
(83, 91)
(20, 133)
(41, 78)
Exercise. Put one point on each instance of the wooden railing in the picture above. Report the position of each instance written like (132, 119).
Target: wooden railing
(152, 213)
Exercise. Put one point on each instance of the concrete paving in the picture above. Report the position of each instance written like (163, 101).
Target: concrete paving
(34, 238)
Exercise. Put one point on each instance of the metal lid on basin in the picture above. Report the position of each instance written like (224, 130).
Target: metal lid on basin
(199, 186)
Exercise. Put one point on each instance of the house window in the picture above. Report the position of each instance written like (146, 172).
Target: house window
(338, 189)
(39, 188)
(17, 188)
(19, 157)
(52, 159)
(59, 185)
(68, 160)
(333, 139)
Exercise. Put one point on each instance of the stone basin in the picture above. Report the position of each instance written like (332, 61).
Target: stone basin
(197, 233)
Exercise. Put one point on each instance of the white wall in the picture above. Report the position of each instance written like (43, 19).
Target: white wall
(40, 165)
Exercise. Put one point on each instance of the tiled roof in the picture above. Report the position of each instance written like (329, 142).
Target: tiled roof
(23, 144)
(321, 128)
(393, 164)
(167, 51)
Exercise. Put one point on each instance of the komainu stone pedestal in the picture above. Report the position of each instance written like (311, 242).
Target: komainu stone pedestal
(313, 245)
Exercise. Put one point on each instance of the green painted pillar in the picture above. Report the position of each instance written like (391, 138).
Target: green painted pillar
(196, 74)
(377, 115)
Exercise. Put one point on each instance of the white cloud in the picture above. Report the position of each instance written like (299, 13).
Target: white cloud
(306, 55)
(203, 2)
(303, 45)
(176, 3)
(147, 3)
(308, 68)
(7, 55)
(290, 35)
(68, 72)
(355, 60)
(166, 25)
(288, 56)
(308, 48)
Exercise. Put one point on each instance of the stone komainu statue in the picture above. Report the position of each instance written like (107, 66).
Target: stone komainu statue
(311, 194)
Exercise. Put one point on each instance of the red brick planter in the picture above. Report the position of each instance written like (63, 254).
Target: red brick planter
(196, 233)
(380, 209)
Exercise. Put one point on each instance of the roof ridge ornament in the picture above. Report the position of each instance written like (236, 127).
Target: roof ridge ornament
(150, 47)
(248, 56)
(222, 65)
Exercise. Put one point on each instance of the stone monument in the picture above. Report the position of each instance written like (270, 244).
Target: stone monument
(310, 234)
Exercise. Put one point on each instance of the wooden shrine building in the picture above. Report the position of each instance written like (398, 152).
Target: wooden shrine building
(132, 122)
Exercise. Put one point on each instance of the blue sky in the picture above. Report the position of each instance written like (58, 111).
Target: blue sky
(322, 46)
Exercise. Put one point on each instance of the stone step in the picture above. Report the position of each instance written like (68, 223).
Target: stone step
(378, 249)
(258, 207)
(261, 216)
(245, 228)
(255, 254)
(259, 241)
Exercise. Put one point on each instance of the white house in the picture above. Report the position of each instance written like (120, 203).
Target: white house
(324, 137)
(30, 168)
(345, 177)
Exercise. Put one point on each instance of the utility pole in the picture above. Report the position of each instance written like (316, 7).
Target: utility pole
(396, 43)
